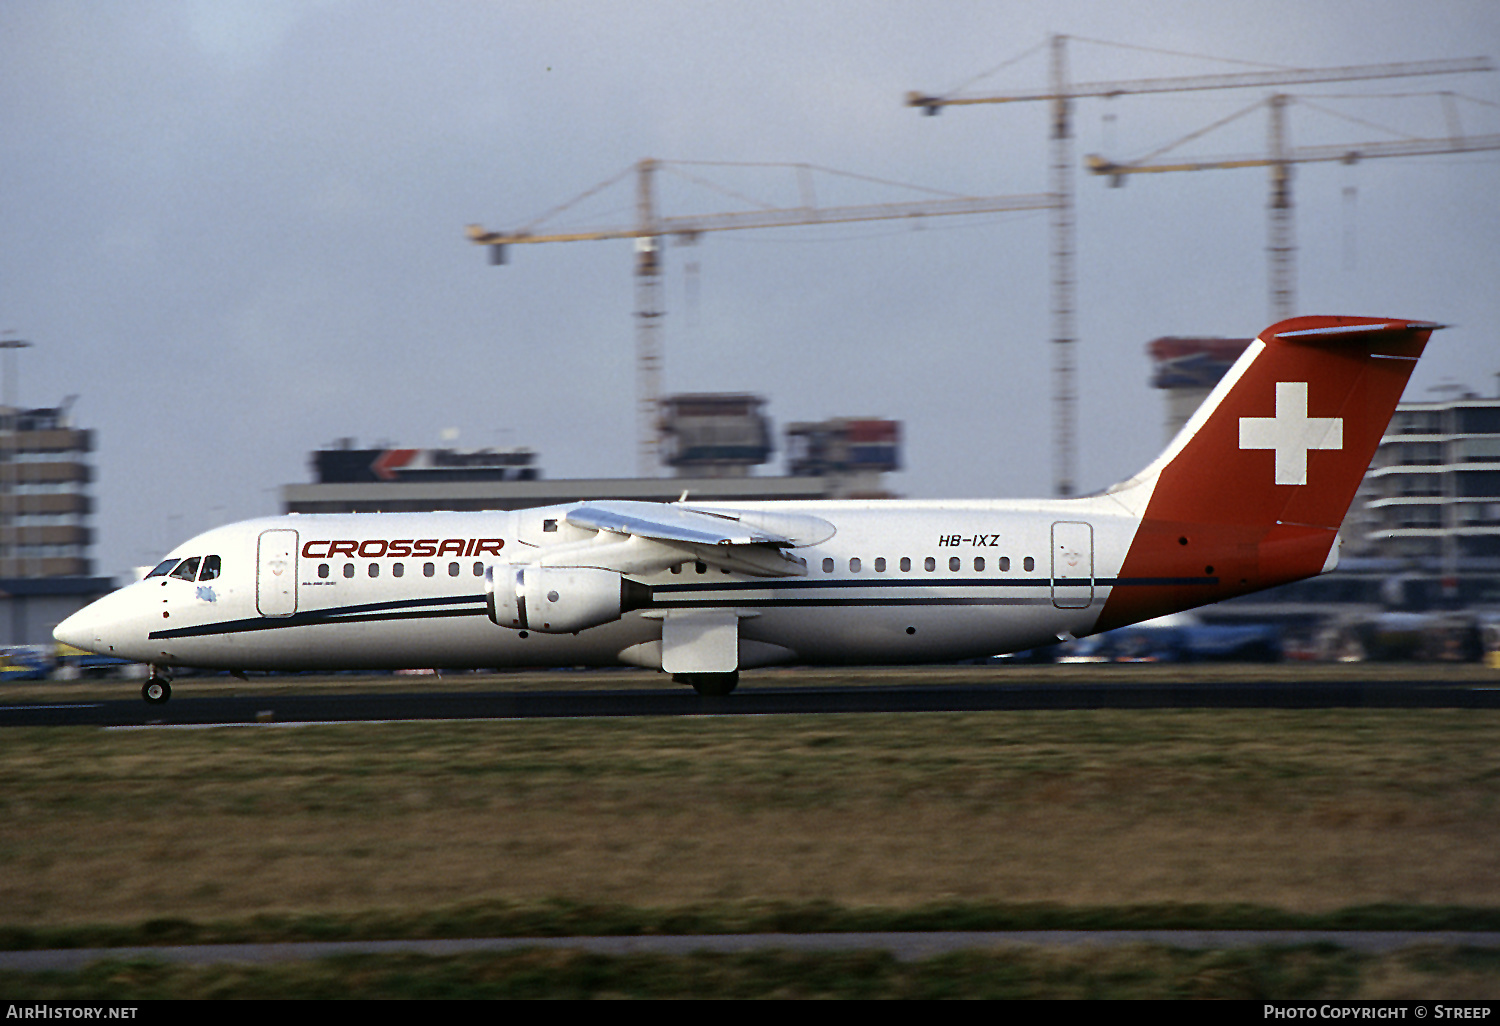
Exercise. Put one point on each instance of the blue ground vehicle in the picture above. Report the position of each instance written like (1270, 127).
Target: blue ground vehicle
(1178, 639)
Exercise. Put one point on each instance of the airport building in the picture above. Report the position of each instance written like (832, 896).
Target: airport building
(46, 566)
(719, 434)
(854, 453)
(1433, 491)
(712, 442)
(1186, 370)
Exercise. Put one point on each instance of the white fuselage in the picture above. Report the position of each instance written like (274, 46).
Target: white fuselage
(1249, 495)
(899, 582)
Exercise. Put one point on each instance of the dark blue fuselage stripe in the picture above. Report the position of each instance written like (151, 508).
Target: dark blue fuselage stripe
(1023, 582)
(474, 605)
(413, 609)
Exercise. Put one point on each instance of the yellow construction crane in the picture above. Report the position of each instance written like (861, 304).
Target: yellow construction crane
(1281, 248)
(651, 227)
(1060, 93)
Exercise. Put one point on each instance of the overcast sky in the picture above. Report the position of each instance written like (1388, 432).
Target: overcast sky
(235, 229)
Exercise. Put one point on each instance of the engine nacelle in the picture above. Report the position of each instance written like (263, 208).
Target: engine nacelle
(559, 599)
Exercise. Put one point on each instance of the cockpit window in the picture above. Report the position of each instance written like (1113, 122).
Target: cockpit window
(187, 569)
(163, 568)
(210, 568)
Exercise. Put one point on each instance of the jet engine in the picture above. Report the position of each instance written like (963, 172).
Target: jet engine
(559, 599)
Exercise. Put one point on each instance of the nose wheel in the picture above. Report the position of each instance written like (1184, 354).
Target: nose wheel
(157, 689)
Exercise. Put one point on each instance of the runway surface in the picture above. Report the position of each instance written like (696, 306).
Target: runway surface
(288, 706)
(906, 947)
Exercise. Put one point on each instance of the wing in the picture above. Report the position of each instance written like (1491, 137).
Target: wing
(653, 536)
(669, 524)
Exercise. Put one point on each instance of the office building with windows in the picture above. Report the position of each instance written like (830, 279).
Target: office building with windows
(46, 541)
(44, 495)
(1432, 495)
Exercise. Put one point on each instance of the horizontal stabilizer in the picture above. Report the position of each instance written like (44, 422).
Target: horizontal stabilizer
(1358, 328)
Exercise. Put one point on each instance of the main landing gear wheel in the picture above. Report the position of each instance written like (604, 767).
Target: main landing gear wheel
(156, 690)
(710, 683)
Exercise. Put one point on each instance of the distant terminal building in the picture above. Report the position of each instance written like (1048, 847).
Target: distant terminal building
(856, 452)
(346, 464)
(46, 567)
(721, 434)
(1433, 491)
(44, 494)
(1187, 369)
(711, 441)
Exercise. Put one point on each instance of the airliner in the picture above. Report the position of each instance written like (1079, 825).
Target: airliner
(1248, 495)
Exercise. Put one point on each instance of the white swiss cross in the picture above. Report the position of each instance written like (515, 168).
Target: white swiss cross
(1291, 432)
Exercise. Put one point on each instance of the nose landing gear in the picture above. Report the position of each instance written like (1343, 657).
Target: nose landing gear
(157, 689)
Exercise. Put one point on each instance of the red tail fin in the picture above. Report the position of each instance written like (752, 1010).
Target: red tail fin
(1252, 492)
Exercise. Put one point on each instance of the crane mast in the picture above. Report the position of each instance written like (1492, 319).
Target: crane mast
(648, 314)
(1064, 280)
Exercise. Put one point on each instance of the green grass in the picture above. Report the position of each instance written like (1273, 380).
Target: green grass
(1299, 811)
(1111, 819)
(1306, 973)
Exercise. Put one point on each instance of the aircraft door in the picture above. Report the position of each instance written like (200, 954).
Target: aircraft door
(1072, 564)
(276, 573)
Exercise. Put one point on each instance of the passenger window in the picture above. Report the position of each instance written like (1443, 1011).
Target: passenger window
(323, 570)
(828, 565)
(1028, 564)
(453, 569)
(906, 564)
(163, 568)
(954, 563)
(478, 569)
(979, 564)
(1005, 564)
(854, 565)
(210, 568)
(700, 568)
(187, 569)
(348, 569)
(398, 569)
(929, 564)
(374, 569)
(880, 564)
(428, 569)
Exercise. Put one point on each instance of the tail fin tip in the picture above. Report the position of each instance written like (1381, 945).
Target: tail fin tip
(1338, 329)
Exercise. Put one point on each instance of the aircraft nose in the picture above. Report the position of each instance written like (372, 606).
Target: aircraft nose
(103, 626)
(80, 630)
